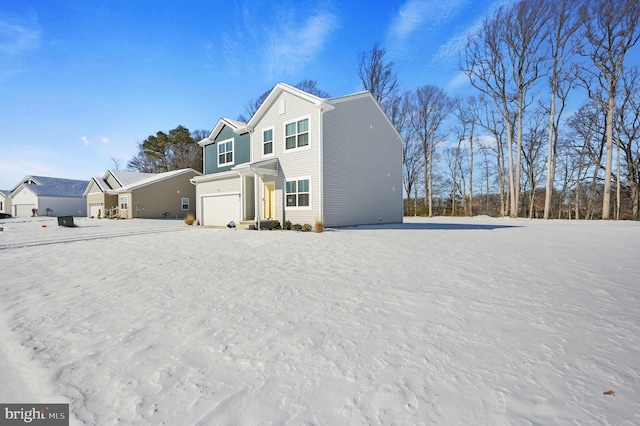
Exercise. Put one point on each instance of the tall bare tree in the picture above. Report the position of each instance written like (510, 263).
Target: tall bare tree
(377, 74)
(562, 26)
(628, 131)
(503, 61)
(432, 106)
(610, 29)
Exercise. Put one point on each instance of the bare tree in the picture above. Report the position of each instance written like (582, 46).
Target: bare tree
(432, 106)
(503, 61)
(588, 125)
(563, 26)
(610, 30)
(628, 131)
(377, 74)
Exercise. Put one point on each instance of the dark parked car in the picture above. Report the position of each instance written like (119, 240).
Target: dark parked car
(4, 215)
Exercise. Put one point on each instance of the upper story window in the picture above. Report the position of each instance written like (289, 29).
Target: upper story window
(225, 152)
(296, 134)
(267, 142)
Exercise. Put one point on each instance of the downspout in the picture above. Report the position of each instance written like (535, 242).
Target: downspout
(256, 208)
(320, 166)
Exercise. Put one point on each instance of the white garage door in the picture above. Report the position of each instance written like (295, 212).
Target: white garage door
(218, 210)
(23, 210)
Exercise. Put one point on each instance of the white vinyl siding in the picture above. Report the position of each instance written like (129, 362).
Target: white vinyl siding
(294, 163)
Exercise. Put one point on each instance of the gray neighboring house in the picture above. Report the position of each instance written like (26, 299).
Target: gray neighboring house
(49, 197)
(5, 201)
(303, 159)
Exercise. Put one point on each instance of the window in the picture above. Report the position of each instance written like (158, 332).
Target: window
(298, 193)
(185, 204)
(225, 152)
(1, 205)
(124, 202)
(267, 142)
(297, 134)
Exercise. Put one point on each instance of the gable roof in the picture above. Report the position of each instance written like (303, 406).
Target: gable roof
(236, 126)
(53, 187)
(276, 92)
(154, 179)
(125, 177)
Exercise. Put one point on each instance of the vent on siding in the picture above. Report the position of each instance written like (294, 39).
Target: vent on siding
(282, 107)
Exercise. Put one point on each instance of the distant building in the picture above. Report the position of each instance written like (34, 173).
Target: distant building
(128, 195)
(48, 196)
(5, 201)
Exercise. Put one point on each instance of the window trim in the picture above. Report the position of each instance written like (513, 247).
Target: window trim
(218, 153)
(188, 204)
(273, 144)
(308, 132)
(310, 192)
(124, 205)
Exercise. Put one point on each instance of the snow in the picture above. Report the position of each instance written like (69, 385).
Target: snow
(435, 321)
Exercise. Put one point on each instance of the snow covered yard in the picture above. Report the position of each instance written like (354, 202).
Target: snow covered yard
(440, 321)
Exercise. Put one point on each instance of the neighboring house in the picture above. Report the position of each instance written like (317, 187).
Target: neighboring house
(303, 159)
(101, 191)
(142, 195)
(5, 201)
(49, 197)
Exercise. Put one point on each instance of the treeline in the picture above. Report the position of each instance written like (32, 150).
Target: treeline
(511, 148)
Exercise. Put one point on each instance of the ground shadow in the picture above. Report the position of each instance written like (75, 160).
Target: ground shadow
(434, 227)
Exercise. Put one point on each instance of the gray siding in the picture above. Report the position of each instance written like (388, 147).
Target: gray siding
(294, 164)
(362, 158)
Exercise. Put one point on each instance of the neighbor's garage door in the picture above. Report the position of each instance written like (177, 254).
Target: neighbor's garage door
(23, 210)
(219, 210)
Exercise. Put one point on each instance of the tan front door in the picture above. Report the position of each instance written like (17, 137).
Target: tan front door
(269, 201)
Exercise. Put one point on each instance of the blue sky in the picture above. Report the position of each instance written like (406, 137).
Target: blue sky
(82, 82)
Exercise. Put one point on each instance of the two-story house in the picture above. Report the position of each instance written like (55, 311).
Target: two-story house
(303, 159)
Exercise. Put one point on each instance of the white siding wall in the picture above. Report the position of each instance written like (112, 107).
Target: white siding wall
(6, 205)
(62, 206)
(23, 201)
(362, 165)
(294, 163)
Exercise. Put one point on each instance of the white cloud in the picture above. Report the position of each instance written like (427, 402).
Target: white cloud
(283, 40)
(16, 39)
(85, 140)
(290, 47)
(459, 79)
(104, 140)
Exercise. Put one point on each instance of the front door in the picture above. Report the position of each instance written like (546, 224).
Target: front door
(269, 201)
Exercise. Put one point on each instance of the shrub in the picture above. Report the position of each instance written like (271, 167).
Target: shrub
(296, 227)
(306, 228)
(189, 219)
(319, 226)
(286, 225)
(275, 225)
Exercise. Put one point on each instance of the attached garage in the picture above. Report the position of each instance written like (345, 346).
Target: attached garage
(23, 210)
(220, 209)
